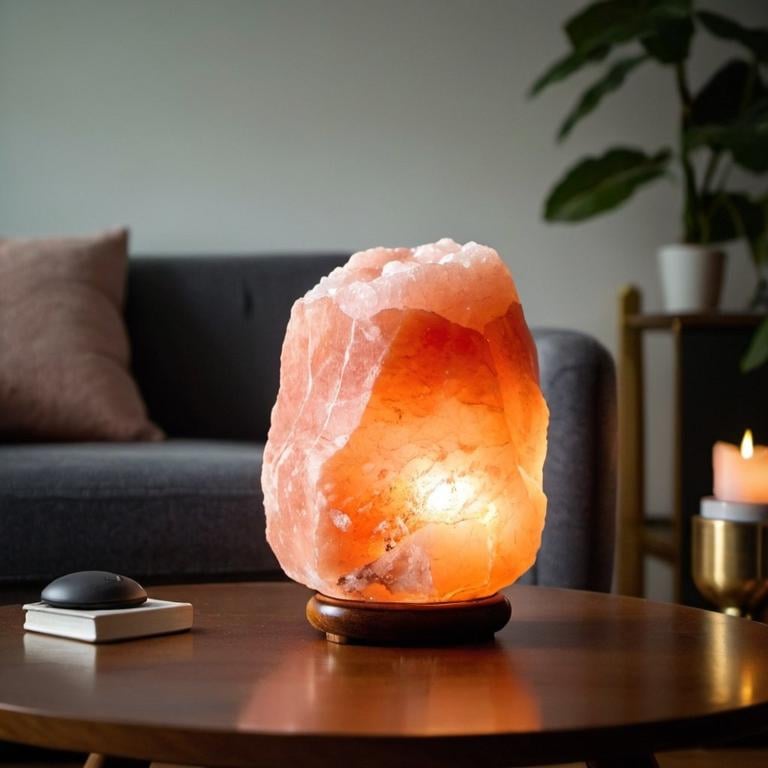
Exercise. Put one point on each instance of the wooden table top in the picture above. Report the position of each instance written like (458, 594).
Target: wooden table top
(573, 675)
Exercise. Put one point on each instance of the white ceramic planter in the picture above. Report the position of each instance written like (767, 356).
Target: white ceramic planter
(691, 277)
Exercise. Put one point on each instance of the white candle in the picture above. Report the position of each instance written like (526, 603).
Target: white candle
(741, 473)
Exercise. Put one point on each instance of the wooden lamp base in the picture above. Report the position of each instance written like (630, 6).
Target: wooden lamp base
(408, 624)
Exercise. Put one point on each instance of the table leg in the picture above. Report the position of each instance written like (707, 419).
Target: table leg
(632, 761)
(107, 761)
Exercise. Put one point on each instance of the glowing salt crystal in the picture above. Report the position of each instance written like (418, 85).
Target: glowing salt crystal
(404, 461)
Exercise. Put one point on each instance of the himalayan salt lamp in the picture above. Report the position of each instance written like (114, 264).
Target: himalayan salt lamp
(404, 459)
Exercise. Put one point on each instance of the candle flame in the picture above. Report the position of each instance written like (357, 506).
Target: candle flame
(747, 446)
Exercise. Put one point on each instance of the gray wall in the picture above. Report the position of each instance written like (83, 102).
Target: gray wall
(317, 124)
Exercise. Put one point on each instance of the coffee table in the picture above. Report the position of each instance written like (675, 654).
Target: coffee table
(573, 676)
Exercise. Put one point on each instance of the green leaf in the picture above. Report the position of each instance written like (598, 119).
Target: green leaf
(755, 39)
(670, 40)
(757, 240)
(599, 184)
(722, 98)
(607, 22)
(731, 216)
(591, 98)
(669, 9)
(745, 138)
(565, 67)
(663, 26)
(759, 249)
(757, 352)
(614, 22)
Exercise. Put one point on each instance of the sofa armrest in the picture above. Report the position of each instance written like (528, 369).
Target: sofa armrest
(578, 381)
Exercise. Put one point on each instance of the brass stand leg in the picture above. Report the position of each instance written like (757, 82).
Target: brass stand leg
(106, 761)
(632, 761)
(631, 502)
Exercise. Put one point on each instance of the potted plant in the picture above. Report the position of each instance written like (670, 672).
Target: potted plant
(722, 125)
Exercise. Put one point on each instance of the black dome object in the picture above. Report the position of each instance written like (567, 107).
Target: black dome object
(93, 590)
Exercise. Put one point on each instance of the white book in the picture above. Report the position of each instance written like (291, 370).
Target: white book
(155, 617)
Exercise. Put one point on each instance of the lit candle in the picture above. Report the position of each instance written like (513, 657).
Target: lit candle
(741, 473)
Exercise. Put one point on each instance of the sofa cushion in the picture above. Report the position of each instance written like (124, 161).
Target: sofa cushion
(182, 508)
(63, 346)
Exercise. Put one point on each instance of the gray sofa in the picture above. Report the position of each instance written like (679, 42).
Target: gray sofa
(206, 334)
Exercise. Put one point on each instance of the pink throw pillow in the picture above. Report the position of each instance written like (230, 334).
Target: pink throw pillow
(64, 351)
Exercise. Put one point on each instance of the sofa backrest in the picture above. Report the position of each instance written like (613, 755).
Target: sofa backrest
(206, 334)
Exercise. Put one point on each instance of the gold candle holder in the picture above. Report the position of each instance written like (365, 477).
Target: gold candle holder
(730, 564)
